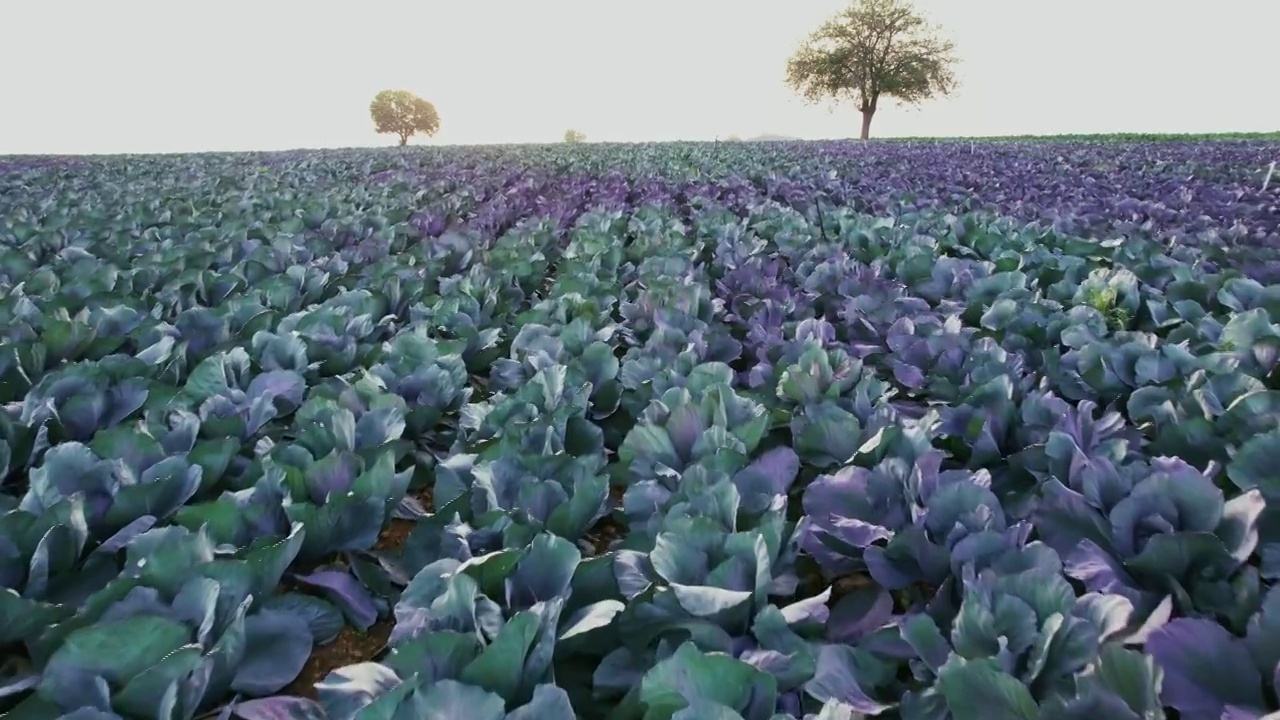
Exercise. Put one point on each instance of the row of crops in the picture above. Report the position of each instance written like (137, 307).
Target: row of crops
(642, 432)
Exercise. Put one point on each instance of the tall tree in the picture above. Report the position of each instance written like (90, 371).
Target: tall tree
(574, 137)
(403, 114)
(874, 49)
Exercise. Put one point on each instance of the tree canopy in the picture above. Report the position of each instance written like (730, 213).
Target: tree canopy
(873, 49)
(573, 136)
(403, 114)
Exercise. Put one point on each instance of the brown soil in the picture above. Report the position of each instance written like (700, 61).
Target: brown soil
(353, 646)
(848, 583)
(607, 529)
(602, 535)
(394, 534)
(350, 647)
(426, 496)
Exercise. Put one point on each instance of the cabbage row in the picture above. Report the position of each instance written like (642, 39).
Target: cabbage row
(681, 431)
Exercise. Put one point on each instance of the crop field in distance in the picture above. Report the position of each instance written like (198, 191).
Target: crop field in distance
(918, 430)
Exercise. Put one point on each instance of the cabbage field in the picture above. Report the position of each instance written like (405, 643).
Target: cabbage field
(927, 430)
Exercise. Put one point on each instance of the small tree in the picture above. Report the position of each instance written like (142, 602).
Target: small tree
(874, 49)
(573, 137)
(404, 114)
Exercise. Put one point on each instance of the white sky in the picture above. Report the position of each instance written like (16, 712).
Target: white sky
(166, 76)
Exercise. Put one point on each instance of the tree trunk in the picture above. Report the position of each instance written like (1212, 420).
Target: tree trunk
(404, 140)
(866, 123)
